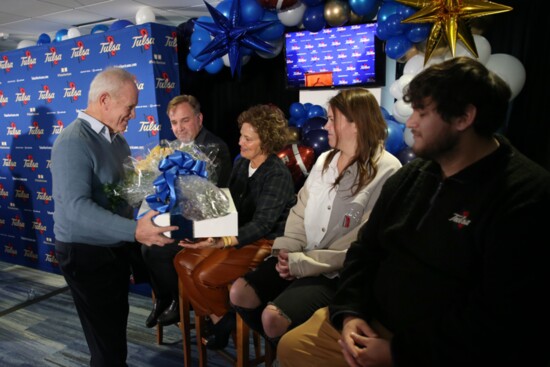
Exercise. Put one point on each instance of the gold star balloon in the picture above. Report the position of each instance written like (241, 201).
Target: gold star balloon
(449, 18)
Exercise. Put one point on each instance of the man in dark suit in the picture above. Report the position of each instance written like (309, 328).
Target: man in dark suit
(186, 122)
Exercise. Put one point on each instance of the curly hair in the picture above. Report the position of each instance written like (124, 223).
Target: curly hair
(270, 124)
(360, 106)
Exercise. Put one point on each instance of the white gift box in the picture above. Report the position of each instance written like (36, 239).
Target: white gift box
(226, 225)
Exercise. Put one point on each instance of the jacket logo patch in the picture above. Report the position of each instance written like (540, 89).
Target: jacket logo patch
(461, 219)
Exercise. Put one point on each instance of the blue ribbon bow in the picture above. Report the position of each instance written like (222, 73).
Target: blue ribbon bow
(176, 164)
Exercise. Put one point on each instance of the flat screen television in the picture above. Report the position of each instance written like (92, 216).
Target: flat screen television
(335, 58)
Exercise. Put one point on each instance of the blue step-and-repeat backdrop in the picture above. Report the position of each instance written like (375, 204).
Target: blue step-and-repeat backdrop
(42, 88)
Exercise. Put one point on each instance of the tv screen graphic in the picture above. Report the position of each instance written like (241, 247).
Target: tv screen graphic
(335, 58)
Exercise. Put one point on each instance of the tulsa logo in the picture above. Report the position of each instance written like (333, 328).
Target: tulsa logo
(461, 219)
(79, 52)
(13, 130)
(57, 129)
(9, 162)
(39, 226)
(3, 99)
(30, 163)
(28, 60)
(165, 83)
(143, 40)
(22, 96)
(45, 94)
(150, 126)
(43, 196)
(172, 41)
(110, 47)
(35, 130)
(6, 64)
(71, 92)
(3, 192)
(30, 253)
(53, 57)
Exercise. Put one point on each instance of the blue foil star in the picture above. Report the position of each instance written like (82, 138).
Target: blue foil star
(229, 36)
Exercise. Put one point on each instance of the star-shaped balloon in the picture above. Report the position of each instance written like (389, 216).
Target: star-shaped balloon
(230, 35)
(449, 18)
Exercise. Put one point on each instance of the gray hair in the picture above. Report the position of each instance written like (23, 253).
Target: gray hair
(110, 80)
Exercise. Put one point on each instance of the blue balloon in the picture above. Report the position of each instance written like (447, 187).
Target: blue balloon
(203, 19)
(224, 7)
(394, 27)
(200, 35)
(318, 140)
(274, 31)
(382, 31)
(363, 7)
(394, 142)
(251, 11)
(385, 113)
(297, 110)
(419, 32)
(60, 34)
(405, 11)
(313, 123)
(406, 155)
(215, 66)
(43, 39)
(120, 24)
(315, 111)
(307, 106)
(99, 29)
(397, 46)
(196, 48)
(314, 18)
(300, 122)
(386, 9)
(192, 63)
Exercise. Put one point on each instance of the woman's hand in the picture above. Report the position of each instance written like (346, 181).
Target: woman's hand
(210, 242)
(282, 265)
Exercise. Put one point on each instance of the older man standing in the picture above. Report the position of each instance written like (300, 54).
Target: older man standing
(92, 235)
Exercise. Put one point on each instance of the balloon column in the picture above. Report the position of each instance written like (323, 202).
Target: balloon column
(310, 119)
(307, 141)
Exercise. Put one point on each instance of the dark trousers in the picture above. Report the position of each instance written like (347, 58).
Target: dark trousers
(162, 274)
(98, 278)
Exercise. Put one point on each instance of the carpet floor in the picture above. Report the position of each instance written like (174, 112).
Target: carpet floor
(39, 326)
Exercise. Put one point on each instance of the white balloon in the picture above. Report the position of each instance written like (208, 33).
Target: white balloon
(145, 14)
(395, 90)
(225, 59)
(408, 137)
(510, 69)
(403, 108)
(25, 43)
(482, 46)
(292, 16)
(73, 32)
(397, 116)
(414, 65)
(404, 80)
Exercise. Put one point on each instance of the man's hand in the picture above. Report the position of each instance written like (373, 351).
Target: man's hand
(361, 345)
(148, 233)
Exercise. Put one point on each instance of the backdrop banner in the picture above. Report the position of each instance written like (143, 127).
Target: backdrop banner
(42, 88)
